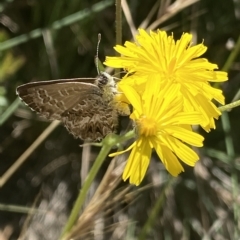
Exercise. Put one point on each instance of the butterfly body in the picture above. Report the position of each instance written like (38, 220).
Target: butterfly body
(85, 106)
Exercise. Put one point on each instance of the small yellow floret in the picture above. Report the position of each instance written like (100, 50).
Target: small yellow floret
(147, 126)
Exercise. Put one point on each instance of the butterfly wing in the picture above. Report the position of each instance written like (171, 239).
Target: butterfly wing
(78, 103)
(52, 98)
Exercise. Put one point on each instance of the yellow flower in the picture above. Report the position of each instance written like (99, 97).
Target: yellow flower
(160, 124)
(175, 62)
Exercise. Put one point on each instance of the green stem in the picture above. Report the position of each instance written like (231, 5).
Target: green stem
(234, 54)
(229, 141)
(118, 30)
(118, 22)
(9, 111)
(83, 192)
(230, 60)
(108, 143)
(229, 106)
(234, 173)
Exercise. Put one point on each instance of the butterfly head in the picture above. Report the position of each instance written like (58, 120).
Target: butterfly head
(106, 82)
(105, 79)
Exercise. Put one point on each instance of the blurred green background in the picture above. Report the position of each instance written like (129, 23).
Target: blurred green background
(42, 40)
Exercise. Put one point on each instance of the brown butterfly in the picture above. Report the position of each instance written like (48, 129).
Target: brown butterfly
(86, 106)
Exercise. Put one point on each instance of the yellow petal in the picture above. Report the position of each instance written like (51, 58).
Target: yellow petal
(169, 160)
(183, 152)
(185, 135)
(137, 163)
(132, 96)
(121, 152)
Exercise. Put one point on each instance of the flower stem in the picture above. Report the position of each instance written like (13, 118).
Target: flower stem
(118, 30)
(83, 192)
(108, 143)
(229, 106)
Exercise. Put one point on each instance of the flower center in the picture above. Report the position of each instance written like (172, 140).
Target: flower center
(147, 126)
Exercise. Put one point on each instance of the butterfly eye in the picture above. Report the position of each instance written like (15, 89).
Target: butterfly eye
(102, 80)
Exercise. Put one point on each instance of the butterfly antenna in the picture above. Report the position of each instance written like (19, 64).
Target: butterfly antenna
(96, 58)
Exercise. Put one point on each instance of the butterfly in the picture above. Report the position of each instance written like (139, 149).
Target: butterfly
(86, 106)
